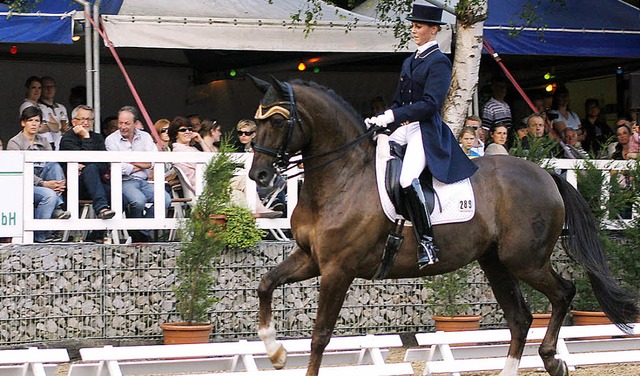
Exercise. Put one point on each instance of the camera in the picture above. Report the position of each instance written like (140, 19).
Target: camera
(552, 116)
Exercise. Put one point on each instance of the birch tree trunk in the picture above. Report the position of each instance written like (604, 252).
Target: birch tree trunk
(470, 16)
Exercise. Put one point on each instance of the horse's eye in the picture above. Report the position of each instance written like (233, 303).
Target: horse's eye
(278, 121)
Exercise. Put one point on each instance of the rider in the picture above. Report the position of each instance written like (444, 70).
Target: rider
(416, 120)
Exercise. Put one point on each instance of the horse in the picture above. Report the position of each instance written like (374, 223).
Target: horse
(340, 228)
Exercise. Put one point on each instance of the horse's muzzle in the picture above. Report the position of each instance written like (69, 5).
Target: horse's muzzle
(263, 177)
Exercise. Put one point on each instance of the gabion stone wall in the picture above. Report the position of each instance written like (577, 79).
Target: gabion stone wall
(84, 292)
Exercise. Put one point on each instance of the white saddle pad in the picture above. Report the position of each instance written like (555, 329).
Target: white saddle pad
(453, 202)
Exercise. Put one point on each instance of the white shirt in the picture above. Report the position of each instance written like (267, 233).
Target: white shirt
(142, 141)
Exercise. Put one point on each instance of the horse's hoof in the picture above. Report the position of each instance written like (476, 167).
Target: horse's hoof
(279, 357)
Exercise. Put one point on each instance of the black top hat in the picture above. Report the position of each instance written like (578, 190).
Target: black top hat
(426, 14)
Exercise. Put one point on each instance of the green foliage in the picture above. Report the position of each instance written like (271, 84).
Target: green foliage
(241, 231)
(204, 239)
(539, 149)
(447, 292)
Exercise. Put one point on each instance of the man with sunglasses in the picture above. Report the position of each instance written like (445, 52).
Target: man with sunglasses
(136, 190)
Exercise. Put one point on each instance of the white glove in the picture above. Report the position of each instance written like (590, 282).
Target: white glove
(381, 120)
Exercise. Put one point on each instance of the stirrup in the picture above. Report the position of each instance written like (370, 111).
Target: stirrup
(426, 253)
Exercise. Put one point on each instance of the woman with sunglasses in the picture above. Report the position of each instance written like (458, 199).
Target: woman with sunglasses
(180, 136)
(162, 127)
(246, 131)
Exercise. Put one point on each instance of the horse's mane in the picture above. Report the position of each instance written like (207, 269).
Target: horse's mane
(332, 94)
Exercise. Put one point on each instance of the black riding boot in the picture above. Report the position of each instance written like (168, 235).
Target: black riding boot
(419, 216)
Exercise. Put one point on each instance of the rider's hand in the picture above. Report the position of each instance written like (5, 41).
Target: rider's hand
(381, 120)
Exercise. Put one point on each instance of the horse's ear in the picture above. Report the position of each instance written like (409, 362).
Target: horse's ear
(280, 87)
(262, 85)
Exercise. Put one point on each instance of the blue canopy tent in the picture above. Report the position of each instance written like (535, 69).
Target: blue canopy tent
(49, 21)
(597, 28)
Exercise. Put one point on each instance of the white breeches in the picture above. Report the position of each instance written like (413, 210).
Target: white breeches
(414, 160)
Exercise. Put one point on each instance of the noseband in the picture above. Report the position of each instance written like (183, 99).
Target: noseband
(289, 111)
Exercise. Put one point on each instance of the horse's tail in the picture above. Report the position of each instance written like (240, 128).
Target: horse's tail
(583, 246)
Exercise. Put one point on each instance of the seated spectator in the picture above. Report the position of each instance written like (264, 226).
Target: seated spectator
(519, 136)
(93, 184)
(211, 133)
(246, 131)
(573, 148)
(196, 122)
(536, 125)
(162, 127)
(48, 179)
(498, 135)
(597, 132)
(474, 122)
(561, 116)
(181, 136)
(621, 149)
(466, 138)
(136, 190)
(109, 125)
(33, 93)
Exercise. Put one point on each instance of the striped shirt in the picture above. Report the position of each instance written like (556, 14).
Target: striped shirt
(495, 112)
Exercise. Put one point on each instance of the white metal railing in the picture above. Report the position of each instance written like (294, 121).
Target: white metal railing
(119, 222)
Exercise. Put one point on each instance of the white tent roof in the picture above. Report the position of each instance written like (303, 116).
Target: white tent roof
(243, 25)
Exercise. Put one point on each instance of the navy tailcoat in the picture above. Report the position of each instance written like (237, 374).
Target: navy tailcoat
(423, 86)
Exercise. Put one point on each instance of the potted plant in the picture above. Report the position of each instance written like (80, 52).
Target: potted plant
(448, 300)
(215, 224)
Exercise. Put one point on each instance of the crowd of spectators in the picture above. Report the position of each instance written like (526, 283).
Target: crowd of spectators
(46, 125)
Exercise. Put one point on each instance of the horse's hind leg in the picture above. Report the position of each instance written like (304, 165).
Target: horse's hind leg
(507, 293)
(298, 266)
(560, 293)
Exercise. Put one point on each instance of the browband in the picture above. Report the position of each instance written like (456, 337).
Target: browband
(274, 109)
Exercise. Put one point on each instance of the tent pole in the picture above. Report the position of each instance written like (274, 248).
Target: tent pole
(96, 70)
(87, 50)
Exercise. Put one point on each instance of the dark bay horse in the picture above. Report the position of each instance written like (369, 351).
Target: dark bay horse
(340, 228)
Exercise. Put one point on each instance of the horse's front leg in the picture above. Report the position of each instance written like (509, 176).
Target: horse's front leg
(296, 267)
(333, 288)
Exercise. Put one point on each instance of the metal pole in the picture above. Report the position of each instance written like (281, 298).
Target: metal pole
(96, 69)
(87, 50)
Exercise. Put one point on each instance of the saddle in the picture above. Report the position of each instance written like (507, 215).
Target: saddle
(392, 180)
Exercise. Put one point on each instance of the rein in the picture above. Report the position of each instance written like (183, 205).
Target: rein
(282, 154)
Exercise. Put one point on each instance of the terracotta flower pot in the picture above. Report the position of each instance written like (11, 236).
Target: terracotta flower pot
(177, 333)
(457, 323)
(541, 320)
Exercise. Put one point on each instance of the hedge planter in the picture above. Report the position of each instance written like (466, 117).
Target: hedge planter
(179, 333)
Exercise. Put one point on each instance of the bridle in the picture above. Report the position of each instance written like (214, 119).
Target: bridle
(289, 110)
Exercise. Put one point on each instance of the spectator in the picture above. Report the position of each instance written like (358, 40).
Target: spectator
(136, 190)
(93, 181)
(33, 93)
(498, 135)
(211, 133)
(162, 127)
(627, 145)
(474, 122)
(180, 136)
(561, 116)
(519, 136)
(48, 179)
(77, 96)
(597, 132)
(54, 114)
(246, 131)
(196, 122)
(535, 124)
(109, 125)
(467, 138)
(570, 139)
(496, 110)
